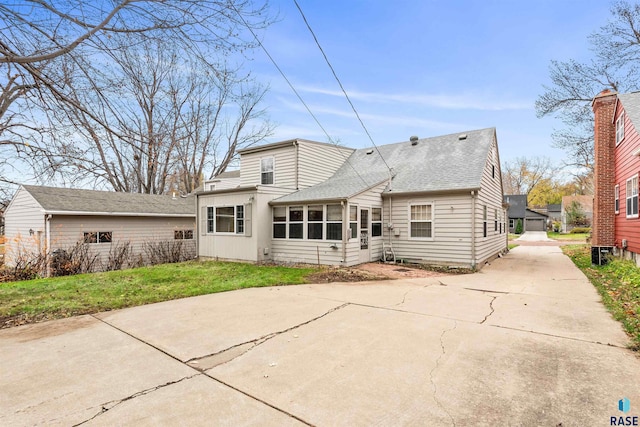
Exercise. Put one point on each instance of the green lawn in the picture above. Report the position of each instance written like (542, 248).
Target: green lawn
(618, 283)
(567, 236)
(34, 300)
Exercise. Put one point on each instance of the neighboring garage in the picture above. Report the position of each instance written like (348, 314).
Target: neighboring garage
(535, 224)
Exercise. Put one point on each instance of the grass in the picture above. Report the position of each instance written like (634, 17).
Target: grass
(512, 245)
(618, 283)
(58, 297)
(567, 236)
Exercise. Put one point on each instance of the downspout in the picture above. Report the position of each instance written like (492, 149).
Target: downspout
(473, 229)
(47, 242)
(295, 144)
(344, 233)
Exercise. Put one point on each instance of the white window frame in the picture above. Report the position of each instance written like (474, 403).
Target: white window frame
(632, 195)
(432, 220)
(238, 220)
(99, 237)
(328, 221)
(379, 222)
(316, 222)
(273, 222)
(616, 202)
(272, 171)
(620, 128)
(353, 233)
(301, 222)
(212, 224)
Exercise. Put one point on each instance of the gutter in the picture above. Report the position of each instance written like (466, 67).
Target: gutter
(140, 214)
(228, 190)
(431, 192)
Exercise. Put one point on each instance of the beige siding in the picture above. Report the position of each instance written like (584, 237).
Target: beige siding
(491, 196)
(222, 184)
(66, 231)
(318, 162)
(284, 167)
(255, 244)
(23, 214)
(451, 242)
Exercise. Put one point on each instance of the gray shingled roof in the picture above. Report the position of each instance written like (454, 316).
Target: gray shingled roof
(442, 163)
(228, 174)
(517, 205)
(93, 202)
(631, 104)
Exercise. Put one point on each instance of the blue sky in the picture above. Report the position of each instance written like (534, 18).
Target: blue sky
(423, 68)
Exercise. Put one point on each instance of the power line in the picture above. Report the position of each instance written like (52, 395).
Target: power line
(246, 24)
(340, 83)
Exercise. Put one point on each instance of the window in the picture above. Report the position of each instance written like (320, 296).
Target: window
(334, 222)
(296, 226)
(280, 222)
(266, 171)
(183, 234)
(616, 202)
(632, 197)
(376, 222)
(240, 219)
(315, 216)
(97, 237)
(210, 219)
(495, 221)
(511, 222)
(620, 128)
(212, 187)
(421, 220)
(225, 219)
(484, 228)
(353, 221)
(493, 171)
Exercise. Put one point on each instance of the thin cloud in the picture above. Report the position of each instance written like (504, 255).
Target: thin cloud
(450, 102)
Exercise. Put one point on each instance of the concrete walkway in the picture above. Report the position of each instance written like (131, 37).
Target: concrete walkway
(524, 342)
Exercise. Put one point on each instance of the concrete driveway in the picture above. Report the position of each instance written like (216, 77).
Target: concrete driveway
(524, 342)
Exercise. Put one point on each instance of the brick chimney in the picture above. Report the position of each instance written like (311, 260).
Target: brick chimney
(602, 233)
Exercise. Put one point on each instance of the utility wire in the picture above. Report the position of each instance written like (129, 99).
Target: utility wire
(255, 36)
(340, 83)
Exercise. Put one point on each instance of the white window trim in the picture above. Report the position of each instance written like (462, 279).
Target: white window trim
(273, 162)
(381, 236)
(235, 223)
(637, 196)
(620, 129)
(433, 220)
(356, 222)
(285, 222)
(616, 199)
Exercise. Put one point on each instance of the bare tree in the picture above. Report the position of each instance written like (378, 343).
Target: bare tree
(521, 175)
(53, 64)
(155, 121)
(614, 65)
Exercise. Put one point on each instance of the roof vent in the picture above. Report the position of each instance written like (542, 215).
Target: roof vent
(370, 151)
(414, 140)
(462, 136)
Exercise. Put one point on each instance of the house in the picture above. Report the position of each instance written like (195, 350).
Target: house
(554, 211)
(432, 200)
(518, 210)
(45, 219)
(576, 211)
(616, 225)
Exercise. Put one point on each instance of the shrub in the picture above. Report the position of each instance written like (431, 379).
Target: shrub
(519, 226)
(580, 230)
(164, 252)
(75, 260)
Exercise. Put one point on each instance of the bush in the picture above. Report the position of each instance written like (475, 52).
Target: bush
(580, 230)
(519, 226)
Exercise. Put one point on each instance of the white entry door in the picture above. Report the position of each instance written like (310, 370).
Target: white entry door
(365, 251)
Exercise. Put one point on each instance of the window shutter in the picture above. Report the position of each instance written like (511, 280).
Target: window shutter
(203, 220)
(247, 219)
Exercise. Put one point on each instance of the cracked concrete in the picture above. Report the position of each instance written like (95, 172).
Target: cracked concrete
(524, 342)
